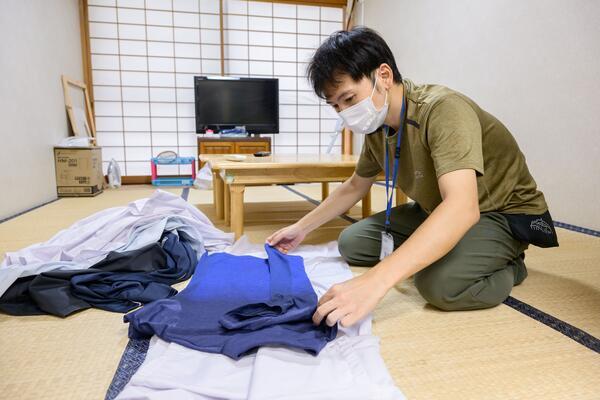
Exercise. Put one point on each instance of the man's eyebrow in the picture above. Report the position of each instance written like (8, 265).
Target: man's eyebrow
(340, 96)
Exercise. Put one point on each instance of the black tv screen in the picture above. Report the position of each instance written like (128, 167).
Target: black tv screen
(224, 103)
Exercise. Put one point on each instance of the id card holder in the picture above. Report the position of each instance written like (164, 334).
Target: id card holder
(387, 245)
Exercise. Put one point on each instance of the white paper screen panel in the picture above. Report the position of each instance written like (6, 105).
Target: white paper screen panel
(145, 54)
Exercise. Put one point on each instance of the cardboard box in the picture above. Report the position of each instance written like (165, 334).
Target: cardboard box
(78, 171)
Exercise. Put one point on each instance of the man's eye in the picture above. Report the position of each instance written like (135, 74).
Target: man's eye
(349, 99)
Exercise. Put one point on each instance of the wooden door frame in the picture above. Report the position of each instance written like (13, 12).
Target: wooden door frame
(86, 51)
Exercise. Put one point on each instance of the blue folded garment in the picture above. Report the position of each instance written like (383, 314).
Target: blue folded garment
(235, 304)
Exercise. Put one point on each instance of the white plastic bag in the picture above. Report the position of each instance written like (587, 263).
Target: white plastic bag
(339, 127)
(114, 174)
(76, 141)
(204, 178)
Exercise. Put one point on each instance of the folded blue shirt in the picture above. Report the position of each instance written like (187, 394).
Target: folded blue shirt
(235, 304)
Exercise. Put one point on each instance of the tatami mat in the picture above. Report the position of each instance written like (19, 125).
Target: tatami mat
(565, 281)
(42, 223)
(489, 354)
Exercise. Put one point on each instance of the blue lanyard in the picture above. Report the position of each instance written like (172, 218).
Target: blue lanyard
(389, 196)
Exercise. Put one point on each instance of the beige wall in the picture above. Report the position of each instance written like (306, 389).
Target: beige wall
(39, 41)
(534, 64)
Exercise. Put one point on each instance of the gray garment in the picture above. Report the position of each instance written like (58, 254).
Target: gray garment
(479, 272)
(119, 229)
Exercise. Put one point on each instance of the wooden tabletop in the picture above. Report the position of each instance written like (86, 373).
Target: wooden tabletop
(218, 161)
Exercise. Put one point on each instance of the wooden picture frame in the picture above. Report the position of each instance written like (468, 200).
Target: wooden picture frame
(89, 129)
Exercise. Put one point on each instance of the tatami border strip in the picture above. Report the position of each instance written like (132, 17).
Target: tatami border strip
(316, 203)
(578, 335)
(575, 228)
(26, 211)
(133, 356)
(185, 193)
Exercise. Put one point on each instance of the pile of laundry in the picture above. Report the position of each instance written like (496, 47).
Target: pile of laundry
(241, 329)
(115, 260)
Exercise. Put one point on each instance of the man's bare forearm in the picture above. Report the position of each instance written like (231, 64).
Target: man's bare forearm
(338, 202)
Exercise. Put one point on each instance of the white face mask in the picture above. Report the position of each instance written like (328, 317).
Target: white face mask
(363, 117)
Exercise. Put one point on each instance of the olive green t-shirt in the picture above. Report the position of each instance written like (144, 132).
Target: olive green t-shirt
(445, 131)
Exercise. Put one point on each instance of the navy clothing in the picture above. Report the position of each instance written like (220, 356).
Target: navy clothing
(124, 291)
(235, 304)
(118, 283)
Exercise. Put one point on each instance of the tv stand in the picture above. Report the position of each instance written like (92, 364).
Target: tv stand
(233, 145)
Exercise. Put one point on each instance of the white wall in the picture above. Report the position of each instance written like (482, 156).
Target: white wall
(39, 41)
(533, 64)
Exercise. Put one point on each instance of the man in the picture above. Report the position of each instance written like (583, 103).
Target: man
(476, 206)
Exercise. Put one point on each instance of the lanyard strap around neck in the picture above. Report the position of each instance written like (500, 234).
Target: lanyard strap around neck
(389, 196)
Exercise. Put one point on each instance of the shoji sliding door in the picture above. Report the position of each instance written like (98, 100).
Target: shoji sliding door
(145, 53)
(277, 40)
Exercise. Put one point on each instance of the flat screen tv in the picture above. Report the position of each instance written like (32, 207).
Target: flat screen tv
(226, 102)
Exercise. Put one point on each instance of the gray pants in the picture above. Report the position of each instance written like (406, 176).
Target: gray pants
(479, 272)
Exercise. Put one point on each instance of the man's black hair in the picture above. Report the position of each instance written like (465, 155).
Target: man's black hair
(357, 52)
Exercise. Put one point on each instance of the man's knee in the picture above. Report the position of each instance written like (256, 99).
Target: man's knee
(435, 289)
(450, 292)
(355, 249)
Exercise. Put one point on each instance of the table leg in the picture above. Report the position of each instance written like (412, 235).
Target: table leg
(324, 190)
(218, 194)
(237, 209)
(226, 203)
(400, 197)
(366, 205)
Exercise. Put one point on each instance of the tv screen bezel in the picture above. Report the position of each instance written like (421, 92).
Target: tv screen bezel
(201, 127)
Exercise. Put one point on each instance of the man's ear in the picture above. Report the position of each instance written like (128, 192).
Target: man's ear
(386, 75)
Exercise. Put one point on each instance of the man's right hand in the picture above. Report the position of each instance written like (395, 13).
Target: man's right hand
(338, 202)
(287, 239)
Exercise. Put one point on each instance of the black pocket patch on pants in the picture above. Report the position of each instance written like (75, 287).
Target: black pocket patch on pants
(537, 230)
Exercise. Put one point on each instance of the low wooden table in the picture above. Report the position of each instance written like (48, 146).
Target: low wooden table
(230, 179)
